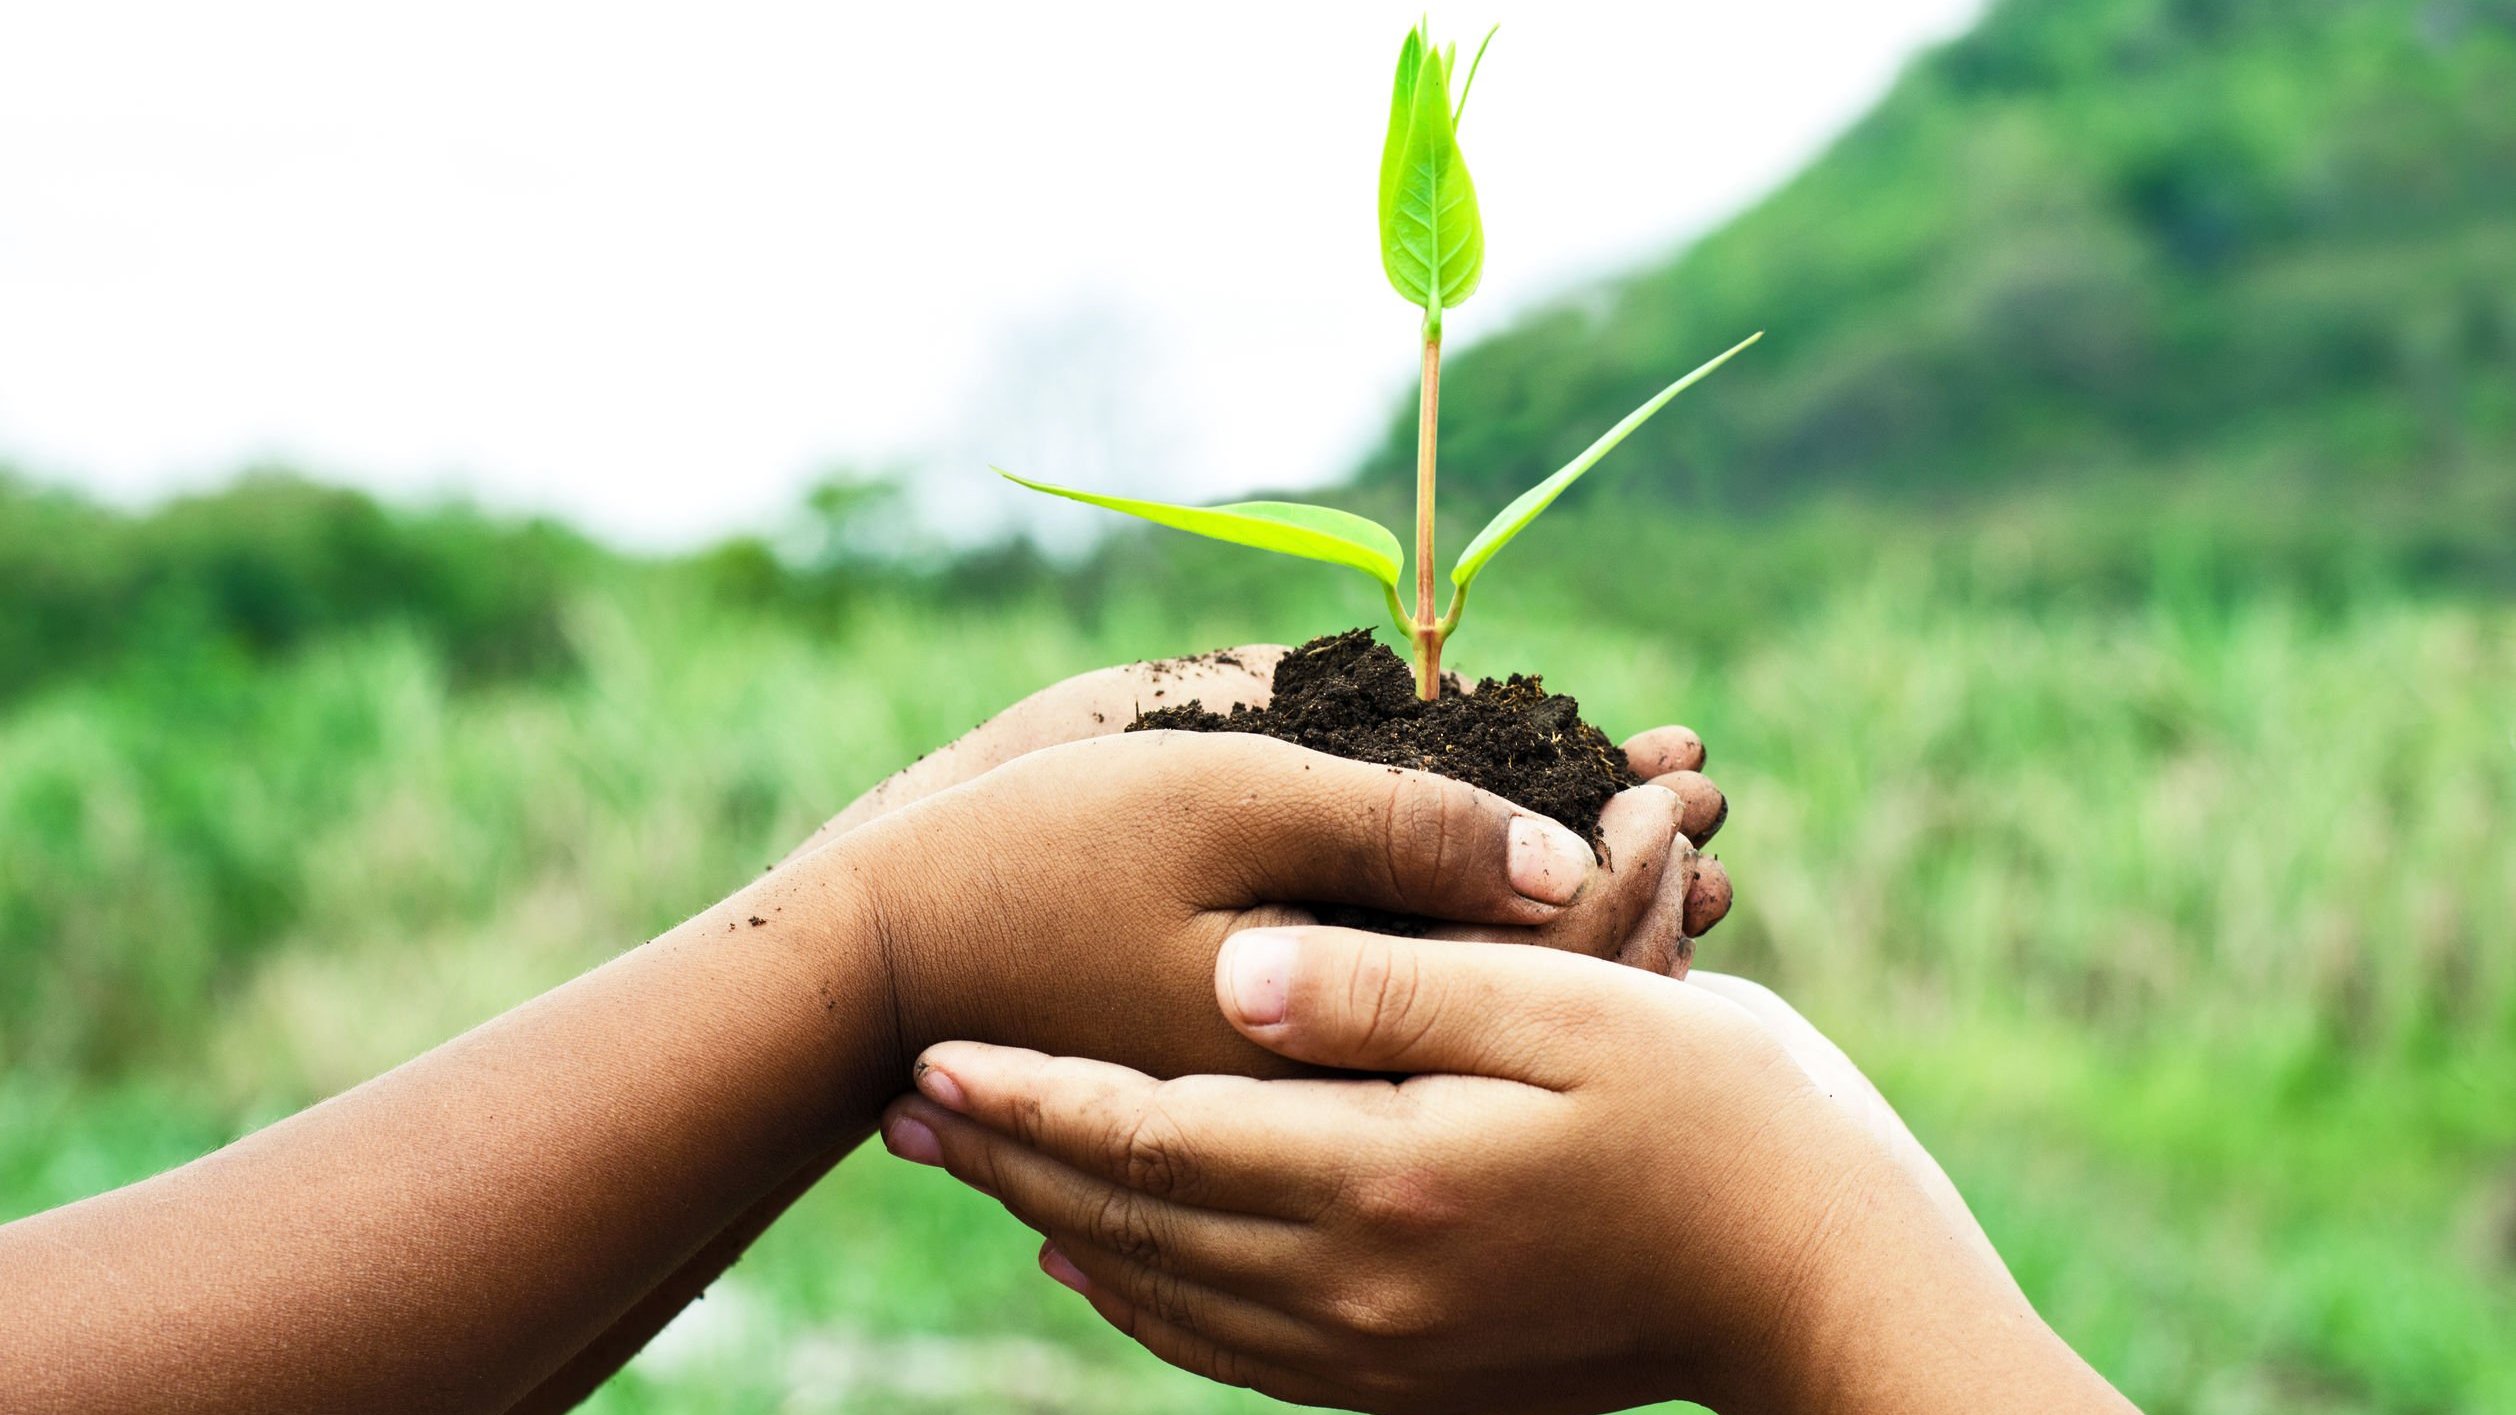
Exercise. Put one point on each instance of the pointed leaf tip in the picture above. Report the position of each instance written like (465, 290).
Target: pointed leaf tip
(1287, 527)
(1526, 507)
(1431, 236)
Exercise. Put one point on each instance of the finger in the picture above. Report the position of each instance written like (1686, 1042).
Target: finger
(1637, 836)
(1200, 1355)
(1055, 1199)
(1229, 1319)
(1224, 1143)
(1638, 843)
(1706, 808)
(1368, 1002)
(1661, 944)
(1663, 750)
(1707, 897)
(1303, 825)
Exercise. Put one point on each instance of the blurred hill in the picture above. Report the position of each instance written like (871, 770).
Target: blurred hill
(2098, 590)
(2269, 241)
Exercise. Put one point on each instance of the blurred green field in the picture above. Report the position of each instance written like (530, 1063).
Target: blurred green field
(2176, 920)
(2099, 593)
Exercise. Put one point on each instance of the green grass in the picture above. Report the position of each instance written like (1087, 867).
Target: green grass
(2176, 922)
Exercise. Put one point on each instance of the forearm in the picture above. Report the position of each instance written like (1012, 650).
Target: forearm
(446, 1236)
(612, 1348)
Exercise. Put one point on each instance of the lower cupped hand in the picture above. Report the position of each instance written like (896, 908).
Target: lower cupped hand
(1614, 1188)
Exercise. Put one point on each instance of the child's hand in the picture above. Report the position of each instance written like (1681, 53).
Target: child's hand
(1075, 897)
(1641, 910)
(1621, 1189)
(1655, 897)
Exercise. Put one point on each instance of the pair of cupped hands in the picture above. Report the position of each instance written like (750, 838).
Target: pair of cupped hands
(1420, 1173)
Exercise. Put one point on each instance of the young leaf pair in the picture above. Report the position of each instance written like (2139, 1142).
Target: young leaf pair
(1343, 538)
(1432, 239)
(1432, 247)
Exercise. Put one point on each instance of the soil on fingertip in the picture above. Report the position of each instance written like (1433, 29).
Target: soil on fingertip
(1350, 696)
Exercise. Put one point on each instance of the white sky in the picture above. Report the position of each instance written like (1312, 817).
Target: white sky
(654, 268)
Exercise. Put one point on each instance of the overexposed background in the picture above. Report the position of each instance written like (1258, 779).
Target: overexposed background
(656, 268)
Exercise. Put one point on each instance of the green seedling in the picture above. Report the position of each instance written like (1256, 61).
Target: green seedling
(1432, 245)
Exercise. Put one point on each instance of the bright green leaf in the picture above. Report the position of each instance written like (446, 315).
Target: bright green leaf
(1312, 532)
(1515, 518)
(1459, 110)
(1401, 105)
(1432, 241)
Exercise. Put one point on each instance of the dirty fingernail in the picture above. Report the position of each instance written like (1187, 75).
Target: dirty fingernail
(937, 1085)
(1707, 897)
(1547, 862)
(1258, 972)
(1055, 1263)
(912, 1140)
(1706, 807)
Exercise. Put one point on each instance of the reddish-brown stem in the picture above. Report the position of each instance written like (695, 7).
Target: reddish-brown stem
(1427, 430)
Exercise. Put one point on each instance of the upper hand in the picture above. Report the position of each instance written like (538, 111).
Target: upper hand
(1655, 893)
(1075, 897)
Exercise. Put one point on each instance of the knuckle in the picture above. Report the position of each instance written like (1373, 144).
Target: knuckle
(1403, 827)
(1165, 1295)
(1366, 982)
(1068, 1079)
(1231, 1368)
(1029, 1118)
(1152, 1152)
(1427, 830)
(1121, 1226)
(1384, 1312)
(1385, 995)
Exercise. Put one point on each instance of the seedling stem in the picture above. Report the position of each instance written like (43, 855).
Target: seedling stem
(1432, 247)
(1429, 631)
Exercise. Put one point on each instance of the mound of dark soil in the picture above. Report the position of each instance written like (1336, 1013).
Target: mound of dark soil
(1350, 696)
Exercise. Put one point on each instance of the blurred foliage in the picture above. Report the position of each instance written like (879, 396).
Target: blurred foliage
(2176, 922)
(2097, 595)
(2280, 234)
(268, 564)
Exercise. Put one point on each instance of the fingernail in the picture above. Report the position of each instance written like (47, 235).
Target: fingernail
(912, 1140)
(1258, 968)
(1055, 1263)
(1547, 862)
(937, 1085)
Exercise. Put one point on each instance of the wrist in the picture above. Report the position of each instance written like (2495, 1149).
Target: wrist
(886, 951)
(842, 919)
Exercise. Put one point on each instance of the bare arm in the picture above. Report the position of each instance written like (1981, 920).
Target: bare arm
(1647, 924)
(449, 1235)
(428, 1240)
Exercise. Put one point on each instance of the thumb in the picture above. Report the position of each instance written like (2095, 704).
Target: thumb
(1370, 1002)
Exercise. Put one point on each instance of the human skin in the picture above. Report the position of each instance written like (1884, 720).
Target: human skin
(1628, 915)
(1596, 1189)
(452, 1235)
